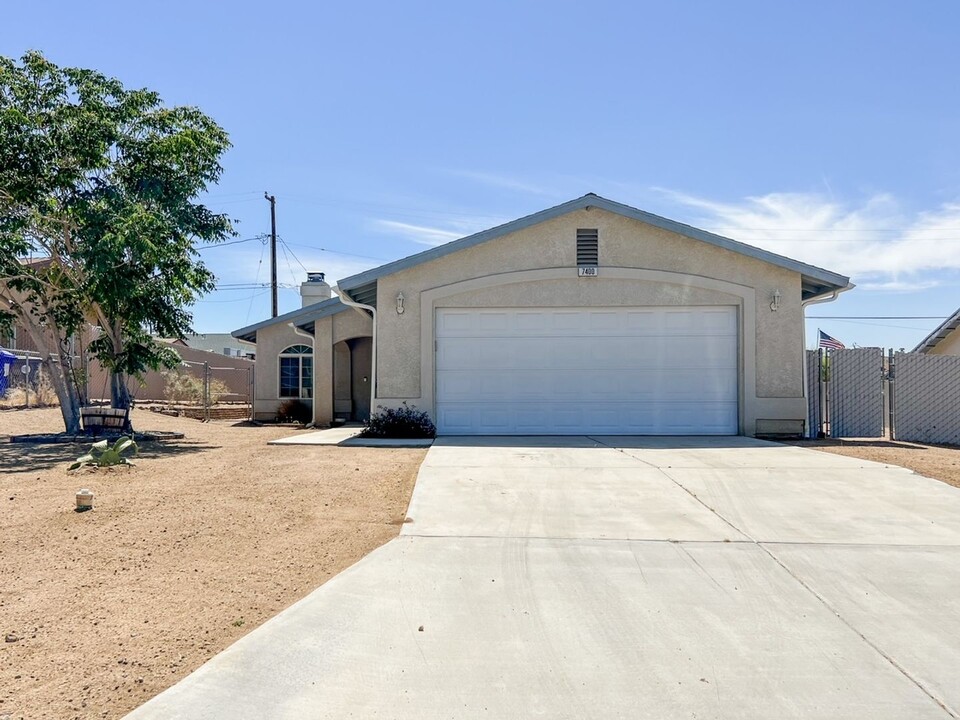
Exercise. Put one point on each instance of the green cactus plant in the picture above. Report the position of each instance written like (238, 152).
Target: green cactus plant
(102, 454)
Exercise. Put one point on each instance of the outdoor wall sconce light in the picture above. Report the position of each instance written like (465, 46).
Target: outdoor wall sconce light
(400, 303)
(775, 305)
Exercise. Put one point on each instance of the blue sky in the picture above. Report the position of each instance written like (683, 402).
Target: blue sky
(824, 131)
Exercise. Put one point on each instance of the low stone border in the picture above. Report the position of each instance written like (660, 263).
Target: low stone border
(220, 412)
(51, 438)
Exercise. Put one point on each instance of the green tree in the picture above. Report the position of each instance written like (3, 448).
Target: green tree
(103, 183)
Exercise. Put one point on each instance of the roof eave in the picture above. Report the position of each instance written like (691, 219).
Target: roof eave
(827, 278)
(300, 318)
(941, 332)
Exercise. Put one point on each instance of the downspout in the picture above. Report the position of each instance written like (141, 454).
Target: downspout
(349, 301)
(803, 306)
(313, 347)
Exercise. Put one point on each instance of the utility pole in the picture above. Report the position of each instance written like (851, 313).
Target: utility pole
(273, 250)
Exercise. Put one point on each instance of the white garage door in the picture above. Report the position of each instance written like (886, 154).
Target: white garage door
(570, 371)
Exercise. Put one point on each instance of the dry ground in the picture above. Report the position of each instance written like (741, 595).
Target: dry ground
(941, 462)
(201, 542)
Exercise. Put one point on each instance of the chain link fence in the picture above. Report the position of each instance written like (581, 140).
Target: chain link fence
(926, 398)
(861, 392)
(211, 389)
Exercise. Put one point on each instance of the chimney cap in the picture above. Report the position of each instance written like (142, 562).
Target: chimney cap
(317, 277)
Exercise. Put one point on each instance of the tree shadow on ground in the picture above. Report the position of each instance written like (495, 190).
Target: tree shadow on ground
(34, 457)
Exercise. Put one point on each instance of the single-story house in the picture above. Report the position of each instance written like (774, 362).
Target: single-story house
(944, 340)
(220, 343)
(588, 317)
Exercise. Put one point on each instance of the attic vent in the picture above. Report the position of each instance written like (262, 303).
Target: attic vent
(587, 247)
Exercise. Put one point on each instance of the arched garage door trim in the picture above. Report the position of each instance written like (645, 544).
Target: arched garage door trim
(431, 299)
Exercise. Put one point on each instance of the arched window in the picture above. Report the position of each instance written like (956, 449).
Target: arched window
(296, 372)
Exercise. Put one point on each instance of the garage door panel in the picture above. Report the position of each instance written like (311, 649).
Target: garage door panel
(476, 353)
(571, 385)
(693, 351)
(718, 322)
(598, 370)
(561, 419)
(493, 322)
(642, 322)
(674, 385)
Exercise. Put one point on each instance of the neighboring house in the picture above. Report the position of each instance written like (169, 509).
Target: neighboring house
(221, 343)
(235, 374)
(591, 317)
(17, 337)
(945, 340)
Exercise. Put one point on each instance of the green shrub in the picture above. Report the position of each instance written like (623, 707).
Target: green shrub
(102, 454)
(403, 422)
(182, 387)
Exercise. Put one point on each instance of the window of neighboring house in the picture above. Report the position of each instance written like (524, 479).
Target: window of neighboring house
(296, 372)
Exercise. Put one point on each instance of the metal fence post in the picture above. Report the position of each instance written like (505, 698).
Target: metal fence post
(251, 388)
(821, 397)
(891, 394)
(206, 391)
(825, 384)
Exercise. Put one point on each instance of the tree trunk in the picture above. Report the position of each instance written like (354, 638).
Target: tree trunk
(120, 396)
(66, 393)
(46, 339)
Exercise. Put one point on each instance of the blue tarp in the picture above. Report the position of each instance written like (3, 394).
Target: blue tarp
(6, 365)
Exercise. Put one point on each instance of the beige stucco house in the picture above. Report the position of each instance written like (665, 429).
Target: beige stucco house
(591, 317)
(320, 354)
(944, 340)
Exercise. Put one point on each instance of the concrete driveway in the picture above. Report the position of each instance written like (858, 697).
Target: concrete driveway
(623, 578)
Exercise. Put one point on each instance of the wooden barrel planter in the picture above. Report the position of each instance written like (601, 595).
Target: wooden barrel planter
(96, 420)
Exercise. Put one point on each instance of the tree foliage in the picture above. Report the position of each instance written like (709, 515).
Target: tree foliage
(103, 182)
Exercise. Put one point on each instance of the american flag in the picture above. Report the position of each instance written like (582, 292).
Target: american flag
(829, 342)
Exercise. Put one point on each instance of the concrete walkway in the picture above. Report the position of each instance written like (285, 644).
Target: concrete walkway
(623, 578)
(348, 436)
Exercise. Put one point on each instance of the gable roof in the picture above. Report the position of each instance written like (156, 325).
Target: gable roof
(815, 281)
(941, 333)
(303, 318)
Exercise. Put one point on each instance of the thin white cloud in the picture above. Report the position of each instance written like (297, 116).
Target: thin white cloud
(506, 182)
(242, 266)
(899, 286)
(422, 234)
(876, 242)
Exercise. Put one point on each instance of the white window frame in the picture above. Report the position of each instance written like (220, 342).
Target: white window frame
(296, 352)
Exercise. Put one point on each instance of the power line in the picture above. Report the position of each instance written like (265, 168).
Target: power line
(263, 291)
(256, 279)
(885, 325)
(337, 252)
(230, 195)
(286, 248)
(286, 257)
(876, 317)
(262, 238)
(249, 285)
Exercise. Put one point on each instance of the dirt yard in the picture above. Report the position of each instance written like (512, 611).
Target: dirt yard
(936, 461)
(201, 542)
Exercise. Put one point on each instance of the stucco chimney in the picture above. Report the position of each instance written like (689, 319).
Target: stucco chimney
(314, 290)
